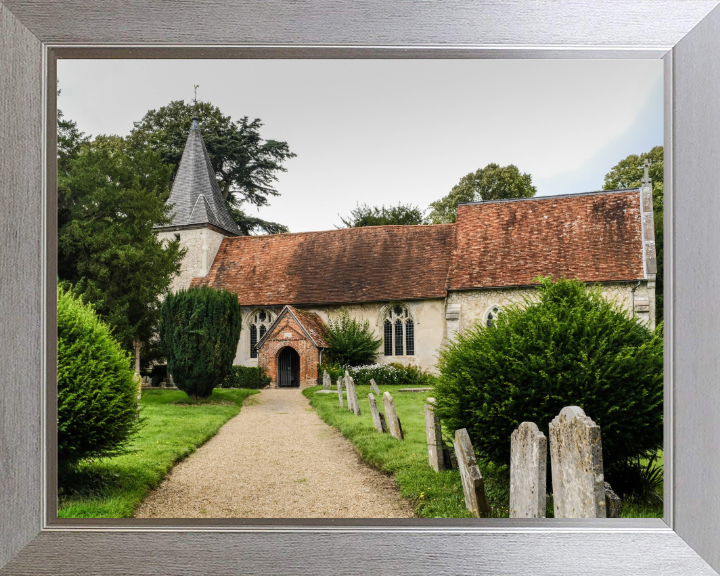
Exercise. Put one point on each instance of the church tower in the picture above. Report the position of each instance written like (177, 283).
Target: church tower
(200, 219)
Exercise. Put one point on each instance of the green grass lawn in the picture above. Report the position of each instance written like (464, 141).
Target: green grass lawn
(433, 494)
(174, 427)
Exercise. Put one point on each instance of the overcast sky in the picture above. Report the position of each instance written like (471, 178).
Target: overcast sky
(389, 131)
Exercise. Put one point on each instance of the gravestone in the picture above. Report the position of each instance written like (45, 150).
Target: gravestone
(374, 387)
(613, 504)
(472, 481)
(352, 393)
(340, 392)
(327, 382)
(391, 417)
(528, 472)
(377, 416)
(434, 436)
(577, 467)
(346, 383)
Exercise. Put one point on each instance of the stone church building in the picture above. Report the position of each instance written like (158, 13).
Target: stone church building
(416, 285)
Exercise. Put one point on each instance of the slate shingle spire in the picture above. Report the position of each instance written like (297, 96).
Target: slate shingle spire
(195, 193)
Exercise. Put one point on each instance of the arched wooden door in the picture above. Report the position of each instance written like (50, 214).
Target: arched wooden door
(288, 368)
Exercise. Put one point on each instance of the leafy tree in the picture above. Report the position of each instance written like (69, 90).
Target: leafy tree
(567, 347)
(628, 173)
(97, 393)
(246, 166)
(109, 198)
(199, 332)
(493, 182)
(69, 140)
(364, 215)
(351, 342)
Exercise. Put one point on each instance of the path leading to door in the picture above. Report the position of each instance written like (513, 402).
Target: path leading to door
(276, 459)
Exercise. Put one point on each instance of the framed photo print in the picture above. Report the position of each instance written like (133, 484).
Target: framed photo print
(359, 288)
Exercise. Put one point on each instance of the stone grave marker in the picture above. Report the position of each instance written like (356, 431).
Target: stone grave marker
(377, 416)
(472, 481)
(391, 417)
(374, 387)
(352, 395)
(434, 436)
(613, 504)
(327, 382)
(340, 393)
(577, 467)
(528, 472)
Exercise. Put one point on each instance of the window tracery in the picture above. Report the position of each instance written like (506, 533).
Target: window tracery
(491, 315)
(260, 322)
(398, 331)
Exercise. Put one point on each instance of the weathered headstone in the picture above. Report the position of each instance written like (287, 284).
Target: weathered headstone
(327, 382)
(340, 392)
(577, 467)
(391, 417)
(346, 383)
(352, 393)
(374, 387)
(434, 436)
(472, 481)
(613, 504)
(528, 472)
(376, 414)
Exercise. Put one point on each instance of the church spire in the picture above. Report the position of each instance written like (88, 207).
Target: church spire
(195, 194)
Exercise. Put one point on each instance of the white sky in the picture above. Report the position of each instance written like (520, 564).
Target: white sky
(389, 131)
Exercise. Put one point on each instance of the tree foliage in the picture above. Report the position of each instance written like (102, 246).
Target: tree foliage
(109, 198)
(493, 182)
(566, 347)
(351, 341)
(199, 333)
(246, 166)
(628, 173)
(364, 215)
(97, 394)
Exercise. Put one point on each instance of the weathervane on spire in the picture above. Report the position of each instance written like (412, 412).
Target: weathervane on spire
(195, 116)
(646, 175)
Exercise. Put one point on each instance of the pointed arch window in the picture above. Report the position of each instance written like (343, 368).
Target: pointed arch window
(399, 332)
(260, 322)
(491, 315)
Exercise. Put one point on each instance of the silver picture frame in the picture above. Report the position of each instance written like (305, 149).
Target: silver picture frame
(33, 35)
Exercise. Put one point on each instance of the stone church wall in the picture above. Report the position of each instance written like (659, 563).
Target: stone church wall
(428, 316)
(194, 265)
(474, 305)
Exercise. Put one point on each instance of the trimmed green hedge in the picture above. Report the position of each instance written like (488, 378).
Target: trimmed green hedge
(252, 377)
(567, 347)
(97, 392)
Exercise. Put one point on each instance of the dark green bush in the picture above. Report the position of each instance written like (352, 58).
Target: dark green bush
(253, 377)
(566, 347)
(97, 394)
(199, 333)
(351, 342)
(158, 373)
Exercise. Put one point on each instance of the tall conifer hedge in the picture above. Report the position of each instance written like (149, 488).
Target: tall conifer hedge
(199, 333)
(568, 347)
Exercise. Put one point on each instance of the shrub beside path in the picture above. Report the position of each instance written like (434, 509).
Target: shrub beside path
(276, 459)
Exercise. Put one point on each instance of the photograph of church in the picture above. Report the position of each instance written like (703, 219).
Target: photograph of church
(417, 286)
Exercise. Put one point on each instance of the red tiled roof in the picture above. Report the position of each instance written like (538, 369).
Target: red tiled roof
(313, 324)
(593, 237)
(369, 264)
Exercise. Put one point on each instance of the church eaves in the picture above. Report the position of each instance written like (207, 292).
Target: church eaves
(195, 194)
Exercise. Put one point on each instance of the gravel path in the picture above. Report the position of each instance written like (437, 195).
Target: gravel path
(276, 459)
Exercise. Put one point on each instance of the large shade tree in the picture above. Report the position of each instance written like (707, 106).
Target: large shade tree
(246, 166)
(110, 196)
(628, 173)
(494, 182)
